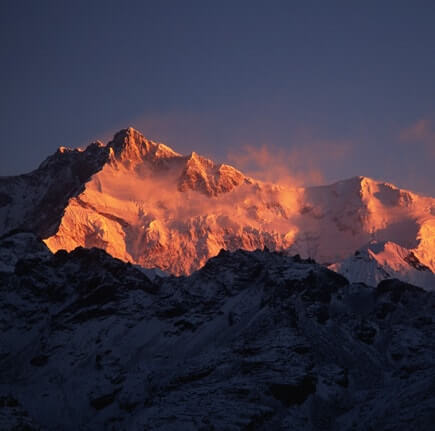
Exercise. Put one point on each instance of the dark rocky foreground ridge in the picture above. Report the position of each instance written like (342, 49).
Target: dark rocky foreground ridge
(252, 341)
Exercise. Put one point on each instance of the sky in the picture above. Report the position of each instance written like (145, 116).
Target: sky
(327, 90)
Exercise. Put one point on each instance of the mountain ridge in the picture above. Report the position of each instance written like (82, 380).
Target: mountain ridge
(252, 340)
(145, 203)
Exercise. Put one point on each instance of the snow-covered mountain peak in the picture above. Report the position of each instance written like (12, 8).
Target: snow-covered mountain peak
(368, 189)
(203, 175)
(387, 194)
(92, 157)
(131, 146)
(145, 203)
(381, 260)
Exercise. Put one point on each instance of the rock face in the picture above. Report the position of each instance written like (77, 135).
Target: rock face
(253, 340)
(144, 203)
(36, 201)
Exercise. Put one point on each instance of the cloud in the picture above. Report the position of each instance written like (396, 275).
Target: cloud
(421, 133)
(300, 165)
(262, 147)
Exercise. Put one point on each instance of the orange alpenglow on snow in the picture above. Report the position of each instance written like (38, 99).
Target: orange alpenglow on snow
(152, 206)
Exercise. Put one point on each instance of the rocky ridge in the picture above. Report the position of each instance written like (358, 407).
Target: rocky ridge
(253, 340)
(146, 204)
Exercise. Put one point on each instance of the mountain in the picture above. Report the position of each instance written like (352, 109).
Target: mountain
(253, 340)
(37, 201)
(380, 261)
(146, 204)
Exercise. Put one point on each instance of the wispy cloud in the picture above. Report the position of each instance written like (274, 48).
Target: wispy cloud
(259, 148)
(421, 133)
(299, 165)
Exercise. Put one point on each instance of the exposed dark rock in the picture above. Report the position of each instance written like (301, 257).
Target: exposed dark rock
(365, 332)
(103, 401)
(39, 361)
(414, 262)
(8, 401)
(384, 309)
(176, 310)
(295, 392)
(5, 199)
(396, 289)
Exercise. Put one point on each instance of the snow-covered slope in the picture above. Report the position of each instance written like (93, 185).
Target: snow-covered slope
(15, 246)
(253, 340)
(36, 201)
(144, 203)
(381, 261)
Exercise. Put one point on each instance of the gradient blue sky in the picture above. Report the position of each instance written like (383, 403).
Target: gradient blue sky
(334, 89)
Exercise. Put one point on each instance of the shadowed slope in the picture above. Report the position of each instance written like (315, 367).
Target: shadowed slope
(253, 340)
